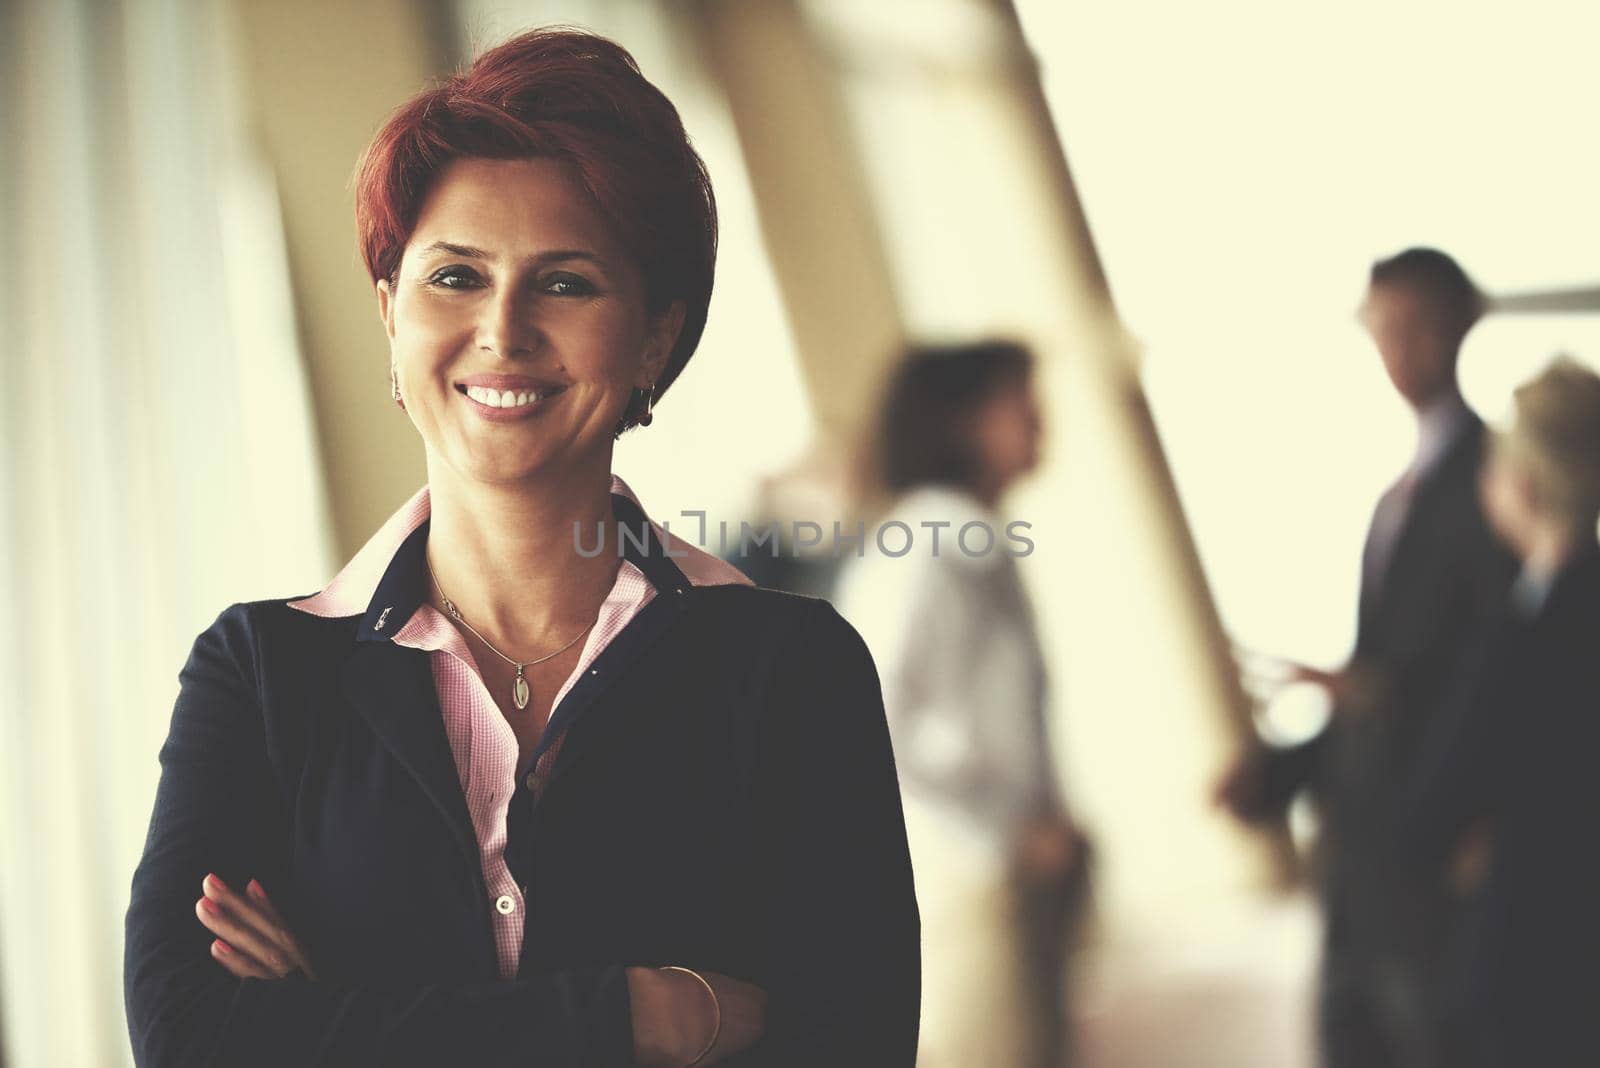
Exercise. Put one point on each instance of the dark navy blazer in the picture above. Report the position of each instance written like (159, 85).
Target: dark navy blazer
(1414, 635)
(725, 799)
(1519, 750)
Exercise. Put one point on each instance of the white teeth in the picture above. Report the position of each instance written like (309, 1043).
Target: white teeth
(495, 398)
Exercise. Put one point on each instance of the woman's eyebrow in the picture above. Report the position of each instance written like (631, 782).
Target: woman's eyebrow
(548, 256)
(457, 250)
(559, 255)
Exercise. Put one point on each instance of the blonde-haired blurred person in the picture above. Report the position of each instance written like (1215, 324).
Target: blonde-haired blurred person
(938, 598)
(1518, 758)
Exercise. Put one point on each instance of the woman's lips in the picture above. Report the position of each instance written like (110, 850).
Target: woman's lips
(503, 406)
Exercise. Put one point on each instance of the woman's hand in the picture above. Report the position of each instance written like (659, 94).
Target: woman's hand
(1048, 850)
(673, 1018)
(1245, 791)
(252, 940)
(1356, 689)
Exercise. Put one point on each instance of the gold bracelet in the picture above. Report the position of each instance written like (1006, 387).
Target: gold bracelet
(716, 1006)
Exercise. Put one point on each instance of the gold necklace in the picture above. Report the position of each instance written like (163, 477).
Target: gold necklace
(519, 685)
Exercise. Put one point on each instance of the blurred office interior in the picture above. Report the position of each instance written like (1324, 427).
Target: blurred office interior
(1173, 204)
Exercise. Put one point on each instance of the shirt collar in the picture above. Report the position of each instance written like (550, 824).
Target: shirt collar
(1539, 579)
(1531, 590)
(386, 580)
(1439, 423)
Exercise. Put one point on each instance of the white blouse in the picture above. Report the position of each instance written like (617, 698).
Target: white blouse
(963, 674)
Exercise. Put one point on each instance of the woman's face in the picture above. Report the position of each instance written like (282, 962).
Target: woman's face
(517, 323)
(1007, 429)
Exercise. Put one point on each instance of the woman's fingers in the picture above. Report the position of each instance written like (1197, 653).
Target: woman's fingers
(246, 953)
(242, 924)
(236, 961)
(258, 894)
(240, 965)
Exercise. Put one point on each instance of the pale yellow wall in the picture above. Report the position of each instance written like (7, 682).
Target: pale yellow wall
(321, 78)
(984, 234)
(818, 223)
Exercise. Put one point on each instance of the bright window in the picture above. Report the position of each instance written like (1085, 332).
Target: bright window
(1241, 165)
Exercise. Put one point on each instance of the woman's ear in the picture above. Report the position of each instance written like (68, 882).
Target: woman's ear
(664, 331)
(386, 306)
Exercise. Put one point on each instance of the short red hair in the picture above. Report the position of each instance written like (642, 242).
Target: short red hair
(568, 95)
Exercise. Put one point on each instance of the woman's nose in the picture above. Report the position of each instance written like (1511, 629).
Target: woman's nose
(508, 326)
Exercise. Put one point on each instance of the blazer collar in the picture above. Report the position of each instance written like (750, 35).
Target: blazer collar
(390, 570)
(391, 685)
(1460, 457)
(403, 586)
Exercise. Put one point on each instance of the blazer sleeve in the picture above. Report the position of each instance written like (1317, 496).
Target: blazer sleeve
(218, 809)
(1457, 777)
(843, 936)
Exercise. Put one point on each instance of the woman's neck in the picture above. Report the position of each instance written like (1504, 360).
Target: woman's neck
(988, 488)
(507, 555)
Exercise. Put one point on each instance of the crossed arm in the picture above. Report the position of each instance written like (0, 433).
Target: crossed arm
(844, 975)
(216, 811)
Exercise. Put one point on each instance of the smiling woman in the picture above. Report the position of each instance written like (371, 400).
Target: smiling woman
(510, 257)
(567, 814)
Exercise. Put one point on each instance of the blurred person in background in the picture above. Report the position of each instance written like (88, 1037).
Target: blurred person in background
(964, 682)
(1520, 752)
(520, 786)
(1431, 575)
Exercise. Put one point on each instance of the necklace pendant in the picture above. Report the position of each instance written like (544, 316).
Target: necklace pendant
(519, 690)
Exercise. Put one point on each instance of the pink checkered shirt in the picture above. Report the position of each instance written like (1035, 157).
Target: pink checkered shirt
(482, 742)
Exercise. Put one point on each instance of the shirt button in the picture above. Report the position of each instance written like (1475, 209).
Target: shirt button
(505, 904)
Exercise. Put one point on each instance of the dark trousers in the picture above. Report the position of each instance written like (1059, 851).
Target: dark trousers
(1378, 1009)
(1049, 918)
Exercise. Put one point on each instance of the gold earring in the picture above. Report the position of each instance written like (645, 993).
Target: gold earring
(645, 417)
(394, 387)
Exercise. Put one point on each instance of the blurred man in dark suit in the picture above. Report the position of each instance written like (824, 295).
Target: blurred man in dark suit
(1431, 571)
(1521, 750)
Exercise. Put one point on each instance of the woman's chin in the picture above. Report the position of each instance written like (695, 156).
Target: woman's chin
(499, 467)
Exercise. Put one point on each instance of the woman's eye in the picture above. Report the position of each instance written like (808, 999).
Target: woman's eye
(454, 278)
(568, 285)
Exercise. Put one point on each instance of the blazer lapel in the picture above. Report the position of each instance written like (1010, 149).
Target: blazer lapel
(673, 596)
(585, 726)
(392, 688)
(1459, 464)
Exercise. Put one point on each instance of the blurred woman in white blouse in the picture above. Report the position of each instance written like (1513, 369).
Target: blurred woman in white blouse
(939, 600)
